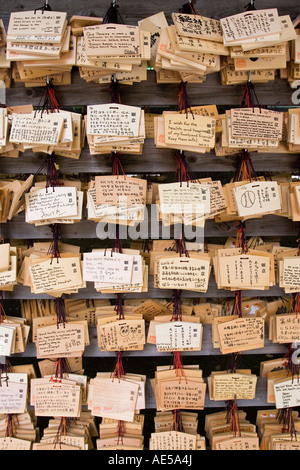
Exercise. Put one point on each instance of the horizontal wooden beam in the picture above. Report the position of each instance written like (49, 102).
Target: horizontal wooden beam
(152, 160)
(275, 93)
(86, 229)
(21, 292)
(132, 12)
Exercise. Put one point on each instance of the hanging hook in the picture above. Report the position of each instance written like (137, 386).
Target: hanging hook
(46, 6)
(250, 6)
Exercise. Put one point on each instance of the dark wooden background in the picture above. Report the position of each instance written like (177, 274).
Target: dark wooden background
(160, 163)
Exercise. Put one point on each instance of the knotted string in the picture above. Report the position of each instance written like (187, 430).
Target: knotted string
(180, 246)
(38, 172)
(61, 367)
(233, 362)
(178, 366)
(115, 94)
(177, 421)
(241, 240)
(146, 246)
(118, 371)
(237, 309)
(10, 430)
(184, 101)
(117, 167)
(177, 310)
(250, 99)
(119, 307)
(48, 102)
(62, 431)
(121, 433)
(147, 177)
(53, 173)
(183, 172)
(54, 250)
(245, 170)
(112, 15)
(60, 311)
(233, 418)
(285, 417)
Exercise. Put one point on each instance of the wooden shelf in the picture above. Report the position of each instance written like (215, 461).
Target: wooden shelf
(274, 93)
(153, 160)
(267, 226)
